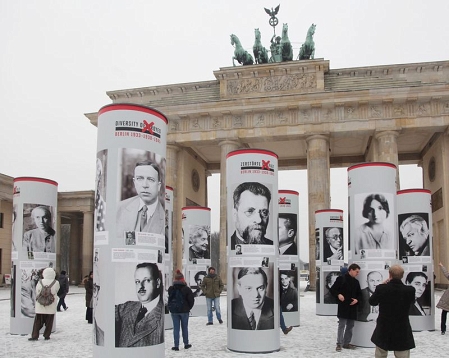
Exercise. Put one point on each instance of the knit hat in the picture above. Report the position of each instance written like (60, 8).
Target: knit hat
(179, 276)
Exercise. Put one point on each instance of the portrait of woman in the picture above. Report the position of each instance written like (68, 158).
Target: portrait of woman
(418, 280)
(374, 234)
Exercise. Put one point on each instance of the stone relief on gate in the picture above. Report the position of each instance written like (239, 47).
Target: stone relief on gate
(272, 84)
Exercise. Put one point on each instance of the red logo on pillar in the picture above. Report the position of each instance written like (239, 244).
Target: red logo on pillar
(147, 127)
(265, 165)
(283, 200)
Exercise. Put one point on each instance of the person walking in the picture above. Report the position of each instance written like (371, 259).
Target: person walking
(212, 287)
(45, 314)
(180, 302)
(443, 303)
(89, 287)
(63, 290)
(393, 331)
(347, 290)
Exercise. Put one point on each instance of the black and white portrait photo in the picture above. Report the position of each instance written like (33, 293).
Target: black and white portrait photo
(139, 319)
(29, 280)
(142, 198)
(97, 317)
(332, 244)
(253, 306)
(366, 312)
(414, 234)
(251, 214)
(317, 243)
(38, 223)
(199, 242)
(375, 225)
(100, 191)
(288, 227)
(130, 238)
(289, 290)
(328, 282)
(198, 278)
(420, 281)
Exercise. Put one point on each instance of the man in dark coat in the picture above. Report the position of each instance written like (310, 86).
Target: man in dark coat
(63, 290)
(393, 331)
(347, 290)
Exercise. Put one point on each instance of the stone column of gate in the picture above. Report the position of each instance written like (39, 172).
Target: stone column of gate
(388, 150)
(318, 179)
(171, 179)
(75, 244)
(227, 146)
(88, 242)
(58, 262)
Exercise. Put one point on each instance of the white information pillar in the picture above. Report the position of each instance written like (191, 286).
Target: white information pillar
(372, 236)
(415, 253)
(129, 232)
(196, 252)
(289, 270)
(253, 251)
(329, 257)
(168, 279)
(34, 242)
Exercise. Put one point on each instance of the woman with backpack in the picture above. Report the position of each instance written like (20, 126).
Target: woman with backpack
(45, 304)
(180, 302)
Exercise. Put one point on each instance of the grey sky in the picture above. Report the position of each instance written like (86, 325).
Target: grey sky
(58, 59)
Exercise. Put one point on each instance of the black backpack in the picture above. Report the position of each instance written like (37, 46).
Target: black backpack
(45, 297)
(175, 301)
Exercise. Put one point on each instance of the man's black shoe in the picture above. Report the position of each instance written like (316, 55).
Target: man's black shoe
(175, 349)
(187, 346)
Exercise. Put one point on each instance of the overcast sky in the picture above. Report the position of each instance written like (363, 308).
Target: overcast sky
(59, 57)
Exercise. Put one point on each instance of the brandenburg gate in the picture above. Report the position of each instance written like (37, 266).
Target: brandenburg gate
(313, 117)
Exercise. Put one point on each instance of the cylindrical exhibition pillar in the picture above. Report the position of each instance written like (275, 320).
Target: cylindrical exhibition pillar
(372, 236)
(196, 255)
(330, 257)
(415, 251)
(34, 242)
(129, 244)
(253, 288)
(289, 270)
(168, 279)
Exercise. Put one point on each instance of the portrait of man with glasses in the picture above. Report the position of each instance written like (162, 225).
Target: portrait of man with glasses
(143, 212)
(251, 214)
(333, 244)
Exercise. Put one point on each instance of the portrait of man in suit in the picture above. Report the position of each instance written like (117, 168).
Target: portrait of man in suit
(141, 323)
(333, 244)
(252, 310)
(251, 214)
(331, 277)
(287, 234)
(143, 212)
(366, 312)
(42, 238)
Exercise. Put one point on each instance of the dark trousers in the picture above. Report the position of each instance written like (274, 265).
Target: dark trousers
(443, 320)
(89, 315)
(39, 321)
(61, 303)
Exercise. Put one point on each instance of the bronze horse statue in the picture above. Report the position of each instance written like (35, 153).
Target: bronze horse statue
(260, 52)
(287, 49)
(243, 57)
(307, 50)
